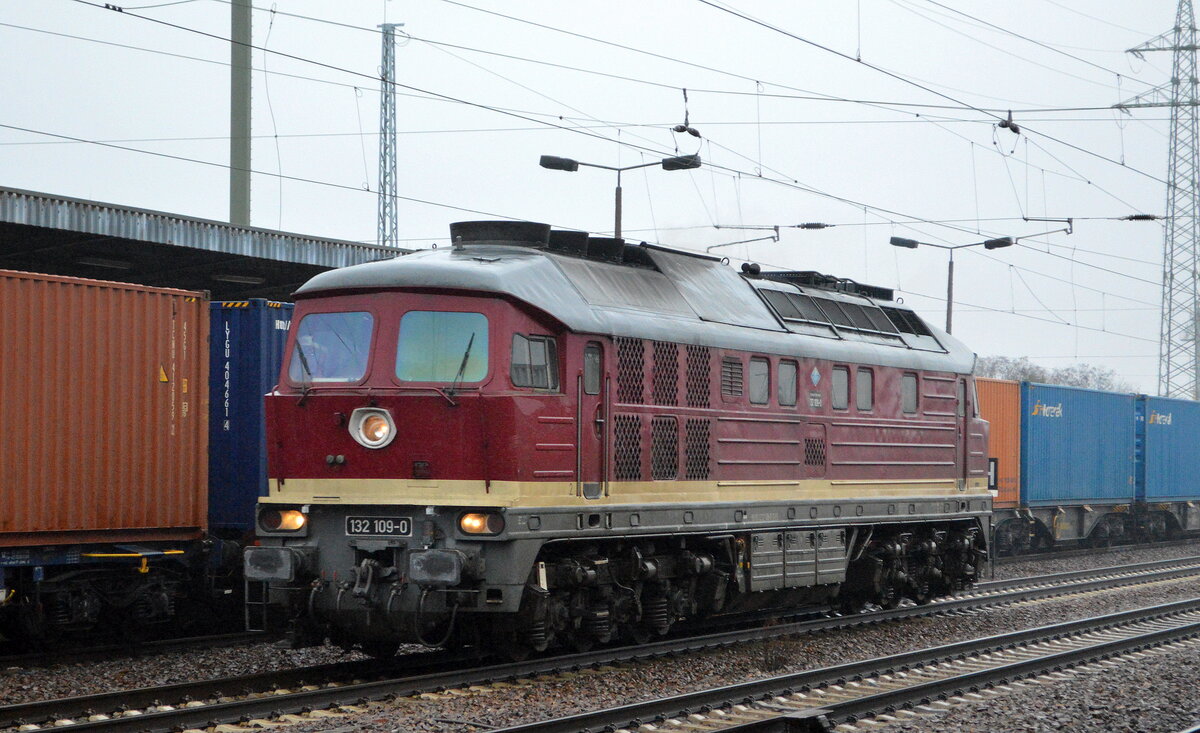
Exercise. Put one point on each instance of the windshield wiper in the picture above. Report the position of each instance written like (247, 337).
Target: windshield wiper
(462, 368)
(306, 370)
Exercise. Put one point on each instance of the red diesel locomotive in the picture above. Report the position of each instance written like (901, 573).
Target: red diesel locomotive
(538, 437)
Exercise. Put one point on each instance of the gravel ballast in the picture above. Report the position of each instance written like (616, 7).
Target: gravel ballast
(559, 696)
(1157, 692)
(589, 690)
(1047, 564)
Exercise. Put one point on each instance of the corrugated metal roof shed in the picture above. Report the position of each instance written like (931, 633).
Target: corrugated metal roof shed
(68, 236)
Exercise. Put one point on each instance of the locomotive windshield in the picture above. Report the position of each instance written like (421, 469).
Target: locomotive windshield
(331, 347)
(440, 346)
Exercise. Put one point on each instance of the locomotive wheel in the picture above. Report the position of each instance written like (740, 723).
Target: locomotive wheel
(581, 642)
(889, 596)
(514, 650)
(638, 633)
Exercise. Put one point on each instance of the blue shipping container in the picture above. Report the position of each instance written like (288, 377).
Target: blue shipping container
(1172, 462)
(248, 337)
(1077, 446)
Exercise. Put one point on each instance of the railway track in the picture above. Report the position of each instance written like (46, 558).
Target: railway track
(1087, 551)
(132, 650)
(903, 685)
(351, 685)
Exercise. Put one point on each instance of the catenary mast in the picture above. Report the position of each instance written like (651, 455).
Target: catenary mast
(389, 225)
(1179, 358)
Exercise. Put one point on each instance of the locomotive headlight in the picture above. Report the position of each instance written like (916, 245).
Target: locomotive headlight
(481, 523)
(282, 520)
(372, 427)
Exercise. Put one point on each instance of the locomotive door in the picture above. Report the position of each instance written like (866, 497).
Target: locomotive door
(591, 428)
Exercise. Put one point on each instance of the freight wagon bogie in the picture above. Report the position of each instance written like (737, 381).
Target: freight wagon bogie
(540, 438)
(116, 591)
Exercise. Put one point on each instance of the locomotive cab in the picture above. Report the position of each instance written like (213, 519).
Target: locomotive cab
(394, 410)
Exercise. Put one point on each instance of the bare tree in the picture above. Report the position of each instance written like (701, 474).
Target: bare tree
(1077, 375)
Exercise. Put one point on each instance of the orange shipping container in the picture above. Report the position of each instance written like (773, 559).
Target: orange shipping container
(1000, 405)
(103, 411)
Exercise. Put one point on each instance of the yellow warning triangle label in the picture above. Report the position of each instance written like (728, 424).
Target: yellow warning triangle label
(162, 374)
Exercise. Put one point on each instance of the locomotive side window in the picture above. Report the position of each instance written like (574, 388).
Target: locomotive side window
(962, 399)
(441, 346)
(787, 383)
(534, 362)
(591, 369)
(908, 393)
(864, 389)
(760, 381)
(840, 397)
(331, 347)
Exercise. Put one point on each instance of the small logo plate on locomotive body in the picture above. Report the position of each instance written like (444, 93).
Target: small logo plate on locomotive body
(378, 526)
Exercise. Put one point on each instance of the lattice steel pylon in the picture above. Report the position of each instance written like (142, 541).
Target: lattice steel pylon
(1178, 356)
(389, 223)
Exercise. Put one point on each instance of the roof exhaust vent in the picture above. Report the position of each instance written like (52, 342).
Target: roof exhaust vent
(605, 248)
(569, 242)
(637, 256)
(518, 233)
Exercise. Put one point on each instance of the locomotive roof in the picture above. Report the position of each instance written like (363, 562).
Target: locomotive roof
(670, 296)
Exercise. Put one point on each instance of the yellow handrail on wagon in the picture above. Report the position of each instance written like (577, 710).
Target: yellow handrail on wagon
(143, 568)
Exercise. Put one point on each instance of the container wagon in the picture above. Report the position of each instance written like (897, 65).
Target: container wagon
(103, 463)
(1094, 467)
(1168, 477)
(247, 338)
(1016, 530)
(247, 349)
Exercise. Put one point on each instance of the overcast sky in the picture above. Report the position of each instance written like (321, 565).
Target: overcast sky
(791, 133)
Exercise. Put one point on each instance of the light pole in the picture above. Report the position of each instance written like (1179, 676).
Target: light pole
(987, 244)
(677, 163)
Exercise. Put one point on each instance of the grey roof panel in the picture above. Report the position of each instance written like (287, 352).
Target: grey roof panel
(605, 285)
(557, 285)
(716, 292)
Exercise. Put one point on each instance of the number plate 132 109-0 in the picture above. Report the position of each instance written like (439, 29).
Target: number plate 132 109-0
(378, 526)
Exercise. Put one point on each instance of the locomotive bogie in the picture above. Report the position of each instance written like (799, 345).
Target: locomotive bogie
(561, 585)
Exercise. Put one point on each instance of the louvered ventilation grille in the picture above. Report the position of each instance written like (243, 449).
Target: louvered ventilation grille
(695, 449)
(664, 448)
(814, 452)
(731, 377)
(627, 447)
(630, 371)
(666, 373)
(699, 362)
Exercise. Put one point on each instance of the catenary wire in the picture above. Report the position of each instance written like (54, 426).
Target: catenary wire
(1027, 39)
(793, 183)
(912, 82)
(502, 110)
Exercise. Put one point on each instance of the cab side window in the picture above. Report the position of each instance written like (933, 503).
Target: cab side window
(534, 362)
(760, 381)
(908, 394)
(840, 397)
(591, 368)
(864, 389)
(787, 383)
